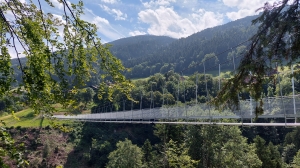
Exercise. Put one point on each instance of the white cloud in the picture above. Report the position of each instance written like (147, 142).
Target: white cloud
(3, 1)
(57, 4)
(103, 25)
(69, 3)
(165, 21)
(118, 15)
(136, 33)
(109, 1)
(156, 3)
(245, 7)
(105, 28)
(100, 20)
(105, 8)
(60, 28)
(239, 14)
(231, 3)
(205, 19)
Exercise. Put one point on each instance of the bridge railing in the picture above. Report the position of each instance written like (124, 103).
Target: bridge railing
(275, 107)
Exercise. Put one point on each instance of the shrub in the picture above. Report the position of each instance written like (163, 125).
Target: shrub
(46, 150)
(48, 127)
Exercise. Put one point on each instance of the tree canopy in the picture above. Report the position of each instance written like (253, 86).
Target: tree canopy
(126, 155)
(57, 64)
(275, 44)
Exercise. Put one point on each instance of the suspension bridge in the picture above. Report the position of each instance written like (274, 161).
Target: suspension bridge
(285, 109)
(281, 110)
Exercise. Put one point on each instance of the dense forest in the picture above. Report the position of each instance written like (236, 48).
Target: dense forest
(170, 88)
(161, 145)
(137, 47)
(186, 52)
(164, 145)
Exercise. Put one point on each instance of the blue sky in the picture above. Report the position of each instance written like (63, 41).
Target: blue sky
(117, 19)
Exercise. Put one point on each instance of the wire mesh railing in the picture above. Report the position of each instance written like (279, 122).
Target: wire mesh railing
(273, 107)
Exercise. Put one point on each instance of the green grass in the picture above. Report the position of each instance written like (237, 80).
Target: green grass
(27, 118)
(136, 79)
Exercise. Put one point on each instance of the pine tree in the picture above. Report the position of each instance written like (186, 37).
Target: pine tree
(268, 154)
(147, 150)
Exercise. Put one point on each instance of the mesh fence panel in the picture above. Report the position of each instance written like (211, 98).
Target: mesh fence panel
(273, 107)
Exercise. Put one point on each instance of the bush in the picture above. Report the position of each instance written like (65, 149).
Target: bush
(46, 150)
(30, 115)
(23, 129)
(65, 124)
(48, 127)
(35, 143)
(4, 114)
(76, 111)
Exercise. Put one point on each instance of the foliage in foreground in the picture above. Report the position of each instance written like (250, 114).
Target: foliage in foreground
(57, 65)
(9, 148)
(275, 44)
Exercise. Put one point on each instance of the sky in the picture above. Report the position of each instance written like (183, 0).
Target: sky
(117, 19)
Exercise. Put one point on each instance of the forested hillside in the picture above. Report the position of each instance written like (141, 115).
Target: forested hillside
(135, 47)
(125, 49)
(185, 52)
(148, 54)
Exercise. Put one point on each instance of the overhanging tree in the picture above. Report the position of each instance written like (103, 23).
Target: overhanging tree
(276, 43)
(57, 64)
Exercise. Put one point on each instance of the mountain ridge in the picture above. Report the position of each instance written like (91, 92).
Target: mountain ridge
(149, 54)
(184, 52)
